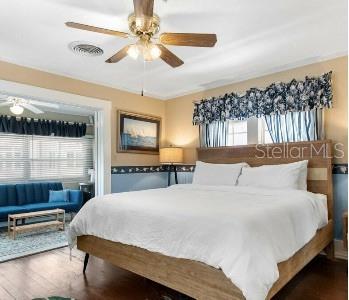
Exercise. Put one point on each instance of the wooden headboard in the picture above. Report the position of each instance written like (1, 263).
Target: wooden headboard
(318, 153)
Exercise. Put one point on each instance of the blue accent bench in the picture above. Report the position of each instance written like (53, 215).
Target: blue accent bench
(29, 197)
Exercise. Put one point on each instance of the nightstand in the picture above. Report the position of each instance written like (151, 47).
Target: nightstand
(87, 191)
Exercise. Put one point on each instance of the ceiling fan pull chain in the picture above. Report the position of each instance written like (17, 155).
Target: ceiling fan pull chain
(143, 79)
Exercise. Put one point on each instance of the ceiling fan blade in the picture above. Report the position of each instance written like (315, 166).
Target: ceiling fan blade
(5, 103)
(119, 55)
(170, 58)
(97, 29)
(144, 11)
(32, 108)
(189, 39)
(45, 104)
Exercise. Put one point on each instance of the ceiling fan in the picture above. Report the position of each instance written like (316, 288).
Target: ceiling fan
(145, 25)
(17, 105)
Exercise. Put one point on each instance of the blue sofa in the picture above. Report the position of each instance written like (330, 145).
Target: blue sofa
(28, 197)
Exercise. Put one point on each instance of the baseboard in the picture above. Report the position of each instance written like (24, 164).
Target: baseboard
(339, 251)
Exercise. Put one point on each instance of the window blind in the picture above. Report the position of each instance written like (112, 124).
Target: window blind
(25, 158)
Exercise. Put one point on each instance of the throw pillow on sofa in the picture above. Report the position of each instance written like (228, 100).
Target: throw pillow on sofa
(58, 196)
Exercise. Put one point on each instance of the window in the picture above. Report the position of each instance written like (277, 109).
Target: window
(234, 133)
(251, 131)
(264, 135)
(25, 157)
(237, 133)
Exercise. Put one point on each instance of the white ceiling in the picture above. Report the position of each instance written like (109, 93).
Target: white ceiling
(254, 38)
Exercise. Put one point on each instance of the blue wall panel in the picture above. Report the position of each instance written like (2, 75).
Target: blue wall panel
(137, 181)
(143, 181)
(183, 177)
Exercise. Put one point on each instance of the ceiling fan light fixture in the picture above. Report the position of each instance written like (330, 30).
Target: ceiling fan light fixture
(150, 52)
(133, 51)
(16, 109)
(155, 51)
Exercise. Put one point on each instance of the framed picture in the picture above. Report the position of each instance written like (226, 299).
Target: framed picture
(138, 133)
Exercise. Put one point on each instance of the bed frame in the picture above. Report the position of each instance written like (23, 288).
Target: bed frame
(201, 281)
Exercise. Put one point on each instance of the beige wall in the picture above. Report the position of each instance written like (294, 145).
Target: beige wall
(181, 132)
(120, 100)
(176, 114)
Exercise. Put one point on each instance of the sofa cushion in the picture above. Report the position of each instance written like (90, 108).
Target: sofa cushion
(57, 186)
(6, 210)
(25, 193)
(3, 195)
(7, 195)
(47, 186)
(38, 195)
(12, 195)
(29, 193)
(21, 195)
(35, 192)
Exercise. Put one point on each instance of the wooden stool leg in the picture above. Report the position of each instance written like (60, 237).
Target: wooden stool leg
(63, 221)
(87, 256)
(14, 228)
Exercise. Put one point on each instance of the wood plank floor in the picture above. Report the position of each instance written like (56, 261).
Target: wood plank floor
(52, 273)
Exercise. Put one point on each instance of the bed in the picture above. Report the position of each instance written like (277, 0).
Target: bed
(202, 281)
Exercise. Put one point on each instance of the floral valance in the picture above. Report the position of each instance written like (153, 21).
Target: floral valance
(277, 98)
(41, 127)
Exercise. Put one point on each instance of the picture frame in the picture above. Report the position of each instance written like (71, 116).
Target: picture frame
(138, 133)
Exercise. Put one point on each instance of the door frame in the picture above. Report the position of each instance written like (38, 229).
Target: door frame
(102, 108)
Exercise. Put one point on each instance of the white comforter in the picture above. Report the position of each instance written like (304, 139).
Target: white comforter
(242, 230)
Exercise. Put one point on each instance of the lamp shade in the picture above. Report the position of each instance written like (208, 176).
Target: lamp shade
(171, 155)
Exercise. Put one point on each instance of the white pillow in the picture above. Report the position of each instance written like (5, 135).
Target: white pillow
(217, 174)
(285, 176)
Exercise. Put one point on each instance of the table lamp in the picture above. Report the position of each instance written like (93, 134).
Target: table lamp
(171, 156)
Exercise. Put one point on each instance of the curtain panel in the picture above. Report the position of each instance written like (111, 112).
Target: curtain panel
(214, 134)
(296, 126)
(277, 99)
(41, 127)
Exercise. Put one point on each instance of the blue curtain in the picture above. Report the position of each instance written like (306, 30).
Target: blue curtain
(277, 99)
(214, 134)
(41, 127)
(295, 126)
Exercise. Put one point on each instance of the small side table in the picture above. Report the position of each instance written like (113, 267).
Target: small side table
(345, 230)
(88, 191)
(85, 197)
(87, 187)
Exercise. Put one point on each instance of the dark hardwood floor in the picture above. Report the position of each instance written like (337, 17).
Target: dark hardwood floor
(52, 273)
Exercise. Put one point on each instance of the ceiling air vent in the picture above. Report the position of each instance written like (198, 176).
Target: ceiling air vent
(85, 49)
